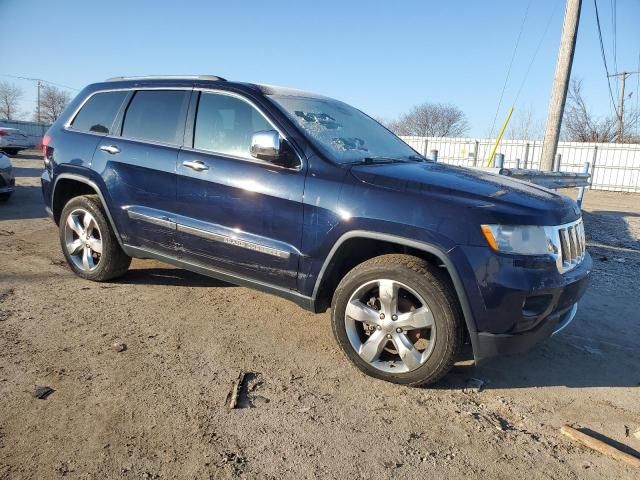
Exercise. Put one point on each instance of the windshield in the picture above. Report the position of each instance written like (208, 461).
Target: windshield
(342, 132)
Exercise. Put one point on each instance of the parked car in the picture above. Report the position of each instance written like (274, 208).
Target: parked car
(308, 198)
(7, 179)
(12, 140)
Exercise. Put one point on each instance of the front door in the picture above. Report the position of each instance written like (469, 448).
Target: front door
(237, 214)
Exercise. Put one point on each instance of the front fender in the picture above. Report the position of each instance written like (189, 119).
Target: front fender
(452, 259)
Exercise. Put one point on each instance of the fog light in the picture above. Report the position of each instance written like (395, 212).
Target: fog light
(535, 305)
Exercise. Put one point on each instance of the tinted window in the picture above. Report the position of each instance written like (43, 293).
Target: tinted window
(225, 124)
(156, 115)
(98, 113)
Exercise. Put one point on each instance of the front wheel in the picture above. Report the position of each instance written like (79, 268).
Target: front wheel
(396, 318)
(88, 242)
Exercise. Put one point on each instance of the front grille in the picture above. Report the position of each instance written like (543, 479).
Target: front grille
(570, 245)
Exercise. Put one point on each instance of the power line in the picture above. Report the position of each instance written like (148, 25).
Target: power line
(513, 56)
(535, 53)
(638, 94)
(604, 56)
(614, 37)
(40, 80)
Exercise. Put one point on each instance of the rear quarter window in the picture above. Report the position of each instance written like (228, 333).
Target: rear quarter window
(98, 112)
(156, 116)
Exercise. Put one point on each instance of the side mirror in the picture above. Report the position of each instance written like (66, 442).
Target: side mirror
(266, 145)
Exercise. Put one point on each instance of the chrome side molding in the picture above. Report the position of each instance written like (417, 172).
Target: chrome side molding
(156, 217)
(160, 221)
(236, 242)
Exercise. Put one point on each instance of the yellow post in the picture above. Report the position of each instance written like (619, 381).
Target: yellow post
(495, 147)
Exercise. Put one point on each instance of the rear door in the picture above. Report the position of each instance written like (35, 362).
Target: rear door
(138, 166)
(236, 213)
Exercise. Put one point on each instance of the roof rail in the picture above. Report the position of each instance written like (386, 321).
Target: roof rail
(169, 77)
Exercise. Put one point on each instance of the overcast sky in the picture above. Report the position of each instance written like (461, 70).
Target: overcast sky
(382, 57)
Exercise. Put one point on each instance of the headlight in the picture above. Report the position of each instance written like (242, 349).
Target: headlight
(519, 239)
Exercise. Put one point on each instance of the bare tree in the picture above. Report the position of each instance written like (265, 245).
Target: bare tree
(431, 120)
(581, 125)
(525, 126)
(52, 103)
(10, 96)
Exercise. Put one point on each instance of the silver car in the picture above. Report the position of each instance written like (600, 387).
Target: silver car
(7, 179)
(13, 140)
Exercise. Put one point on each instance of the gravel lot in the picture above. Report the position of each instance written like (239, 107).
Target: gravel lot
(158, 408)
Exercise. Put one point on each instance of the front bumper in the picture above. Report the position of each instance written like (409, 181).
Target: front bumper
(518, 302)
(494, 344)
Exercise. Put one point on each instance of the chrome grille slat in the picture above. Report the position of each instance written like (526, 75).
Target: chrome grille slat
(570, 245)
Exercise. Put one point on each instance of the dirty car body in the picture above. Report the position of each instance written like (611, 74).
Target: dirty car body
(294, 226)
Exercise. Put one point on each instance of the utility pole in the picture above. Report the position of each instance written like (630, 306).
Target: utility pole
(39, 83)
(622, 76)
(560, 82)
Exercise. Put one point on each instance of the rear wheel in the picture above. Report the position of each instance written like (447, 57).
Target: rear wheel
(5, 196)
(88, 242)
(396, 318)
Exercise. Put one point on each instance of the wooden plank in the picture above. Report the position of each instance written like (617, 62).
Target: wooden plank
(600, 446)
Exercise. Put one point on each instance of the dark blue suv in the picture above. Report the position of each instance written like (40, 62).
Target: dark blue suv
(308, 198)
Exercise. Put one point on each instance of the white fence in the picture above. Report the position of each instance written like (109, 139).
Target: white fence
(614, 166)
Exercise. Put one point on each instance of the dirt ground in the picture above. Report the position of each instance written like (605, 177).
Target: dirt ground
(158, 409)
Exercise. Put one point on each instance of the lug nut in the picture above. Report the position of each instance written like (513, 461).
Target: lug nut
(399, 330)
(382, 316)
(388, 335)
(379, 327)
(394, 317)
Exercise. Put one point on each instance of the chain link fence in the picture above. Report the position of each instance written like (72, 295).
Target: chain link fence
(614, 166)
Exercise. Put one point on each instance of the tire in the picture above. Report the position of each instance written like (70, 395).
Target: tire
(5, 196)
(427, 315)
(88, 241)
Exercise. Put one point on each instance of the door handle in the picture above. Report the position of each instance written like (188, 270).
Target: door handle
(196, 165)
(112, 149)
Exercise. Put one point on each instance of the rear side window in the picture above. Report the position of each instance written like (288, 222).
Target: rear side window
(98, 113)
(156, 115)
(225, 124)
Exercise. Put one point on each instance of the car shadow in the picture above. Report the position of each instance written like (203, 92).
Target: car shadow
(27, 172)
(567, 360)
(174, 277)
(610, 229)
(25, 203)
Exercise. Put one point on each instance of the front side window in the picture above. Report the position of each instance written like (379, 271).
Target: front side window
(156, 116)
(225, 124)
(341, 131)
(98, 112)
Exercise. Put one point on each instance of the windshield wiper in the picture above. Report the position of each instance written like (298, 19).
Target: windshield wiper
(418, 158)
(379, 160)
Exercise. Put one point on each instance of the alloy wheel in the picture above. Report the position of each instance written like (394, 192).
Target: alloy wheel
(83, 240)
(390, 326)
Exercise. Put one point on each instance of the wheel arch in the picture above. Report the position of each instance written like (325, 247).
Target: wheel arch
(408, 246)
(70, 185)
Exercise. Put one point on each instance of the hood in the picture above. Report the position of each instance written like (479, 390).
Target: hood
(496, 196)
